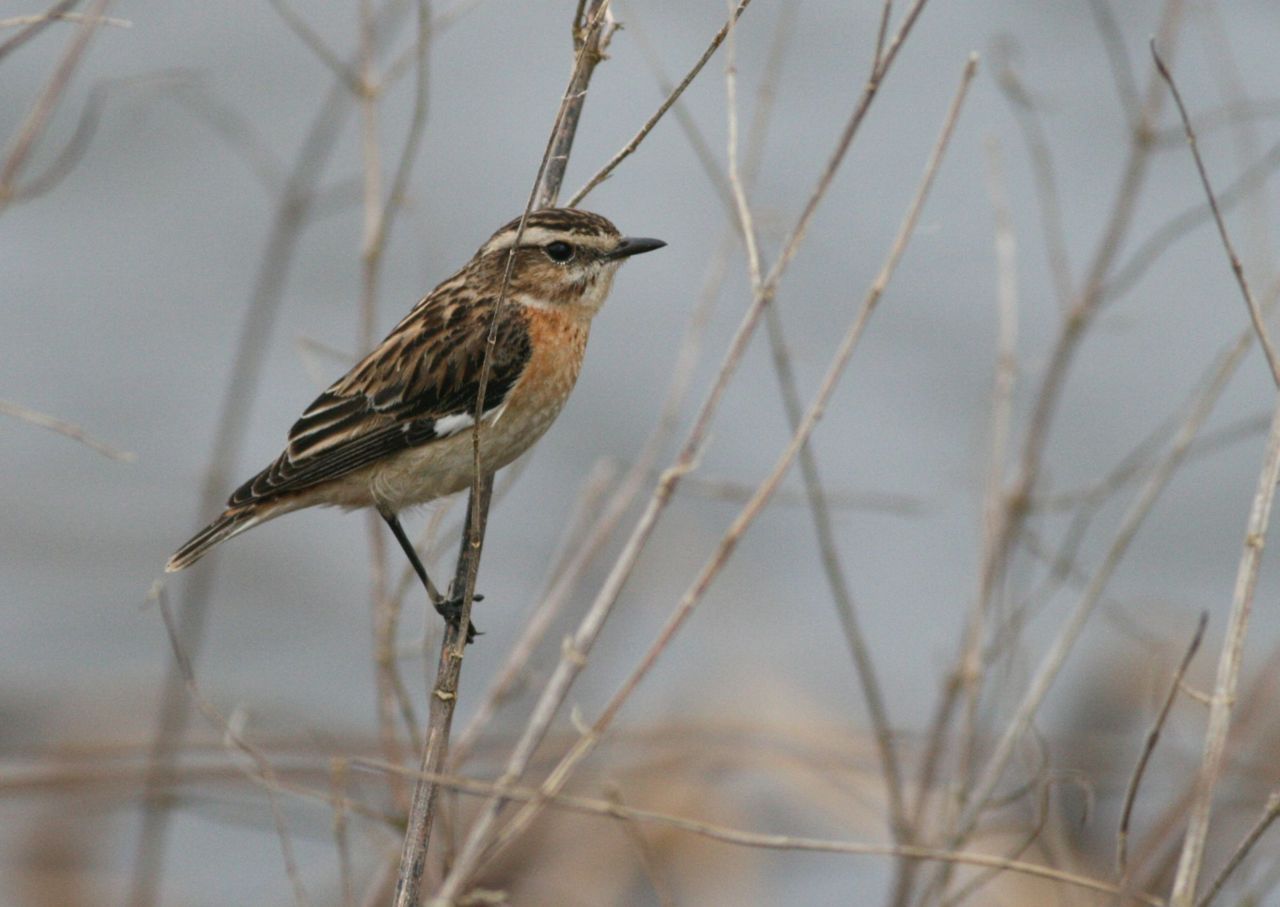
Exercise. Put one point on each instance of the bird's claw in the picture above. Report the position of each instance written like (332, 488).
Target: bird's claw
(451, 610)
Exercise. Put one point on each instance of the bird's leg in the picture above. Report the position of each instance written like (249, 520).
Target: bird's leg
(451, 608)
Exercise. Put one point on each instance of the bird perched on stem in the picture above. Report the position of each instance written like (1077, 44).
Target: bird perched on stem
(396, 430)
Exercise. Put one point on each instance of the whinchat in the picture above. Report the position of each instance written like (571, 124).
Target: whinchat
(396, 430)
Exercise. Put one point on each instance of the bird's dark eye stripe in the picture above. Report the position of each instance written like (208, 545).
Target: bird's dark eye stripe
(558, 251)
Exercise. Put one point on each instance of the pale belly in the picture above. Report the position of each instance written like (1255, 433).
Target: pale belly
(448, 466)
(436, 469)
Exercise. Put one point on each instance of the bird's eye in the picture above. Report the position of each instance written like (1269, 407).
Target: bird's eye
(559, 251)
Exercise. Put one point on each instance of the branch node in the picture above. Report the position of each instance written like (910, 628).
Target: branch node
(572, 654)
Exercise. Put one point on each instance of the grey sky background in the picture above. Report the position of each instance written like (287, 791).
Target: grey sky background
(122, 292)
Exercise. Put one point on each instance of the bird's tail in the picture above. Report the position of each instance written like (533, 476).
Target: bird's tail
(233, 522)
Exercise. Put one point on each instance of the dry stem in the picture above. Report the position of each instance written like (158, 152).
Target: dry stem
(713, 566)
(592, 30)
(575, 652)
(66, 429)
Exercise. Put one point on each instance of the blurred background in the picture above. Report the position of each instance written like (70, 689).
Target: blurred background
(196, 192)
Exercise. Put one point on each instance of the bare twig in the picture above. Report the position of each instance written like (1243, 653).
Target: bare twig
(829, 555)
(338, 771)
(379, 218)
(742, 838)
(39, 18)
(291, 215)
(1255, 314)
(1269, 815)
(886, 14)
(1153, 737)
(1079, 317)
(265, 772)
(66, 429)
(1244, 186)
(592, 30)
(724, 550)
(1040, 154)
(358, 85)
(1118, 59)
(674, 95)
(37, 118)
(43, 21)
(573, 657)
(1183, 894)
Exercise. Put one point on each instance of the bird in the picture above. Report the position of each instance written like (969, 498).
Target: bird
(396, 430)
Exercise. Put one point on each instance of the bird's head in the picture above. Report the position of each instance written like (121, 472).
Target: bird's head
(563, 257)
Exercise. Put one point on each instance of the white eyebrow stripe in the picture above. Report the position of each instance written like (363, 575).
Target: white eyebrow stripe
(532, 236)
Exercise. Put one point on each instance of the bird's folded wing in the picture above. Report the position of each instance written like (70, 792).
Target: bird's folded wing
(419, 385)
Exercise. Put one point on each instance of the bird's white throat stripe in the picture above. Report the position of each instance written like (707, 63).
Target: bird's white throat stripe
(532, 236)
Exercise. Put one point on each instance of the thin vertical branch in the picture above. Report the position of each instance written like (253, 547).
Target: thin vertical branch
(1237, 269)
(1229, 664)
(51, 15)
(291, 214)
(265, 772)
(338, 772)
(1078, 318)
(579, 544)
(1269, 815)
(444, 699)
(379, 216)
(592, 29)
(1149, 747)
(574, 655)
(66, 429)
(759, 499)
(1046, 179)
(37, 118)
(370, 259)
(672, 96)
(966, 679)
(793, 407)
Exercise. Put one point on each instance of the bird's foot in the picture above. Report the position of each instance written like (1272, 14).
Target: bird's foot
(451, 610)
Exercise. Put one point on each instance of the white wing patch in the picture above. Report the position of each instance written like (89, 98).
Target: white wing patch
(451, 425)
(458, 422)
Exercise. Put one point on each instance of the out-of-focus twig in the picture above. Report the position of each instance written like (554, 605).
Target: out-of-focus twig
(672, 96)
(574, 656)
(766, 841)
(1270, 813)
(1229, 664)
(265, 772)
(42, 21)
(1255, 314)
(729, 541)
(592, 29)
(66, 429)
(355, 83)
(290, 217)
(37, 118)
(41, 18)
(1149, 747)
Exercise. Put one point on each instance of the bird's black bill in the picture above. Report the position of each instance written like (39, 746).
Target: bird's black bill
(635, 245)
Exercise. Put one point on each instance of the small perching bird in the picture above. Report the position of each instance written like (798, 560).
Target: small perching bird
(396, 430)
